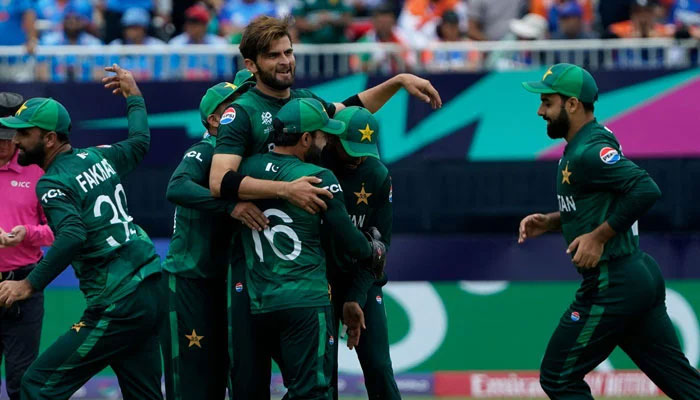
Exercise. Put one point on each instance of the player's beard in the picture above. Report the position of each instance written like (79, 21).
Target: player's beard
(559, 127)
(37, 155)
(313, 155)
(271, 81)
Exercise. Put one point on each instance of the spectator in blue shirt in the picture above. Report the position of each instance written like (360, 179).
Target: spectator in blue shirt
(198, 67)
(135, 23)
(115, 9)
(570, 23)
(196, 21)
(17, 18)
(54, 11)
(144, 67)
(237, 14)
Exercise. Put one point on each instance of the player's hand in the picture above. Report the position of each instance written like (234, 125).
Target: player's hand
(532, 226)
(250, 215)
(13, 291)
(303, 194)
(354, 318)
(122, 83)
(14, 237)
(587, 250)
(421, 88)
(377, 261)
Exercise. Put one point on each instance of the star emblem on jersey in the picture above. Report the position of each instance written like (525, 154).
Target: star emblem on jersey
(24, 107)
(366, 134)
(194, 339)
(362, 196)
(546, 74)
(76, 327)
(230, 85)
(565, 174)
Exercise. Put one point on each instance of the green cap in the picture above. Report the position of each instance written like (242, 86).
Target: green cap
(308, 115)
(41, 112)
(361, 132)
(567, 79)
(223, 91)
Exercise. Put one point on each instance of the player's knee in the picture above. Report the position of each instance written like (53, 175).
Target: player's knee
(551, 382)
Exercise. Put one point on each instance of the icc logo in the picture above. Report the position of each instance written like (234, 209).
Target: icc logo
(24, 185)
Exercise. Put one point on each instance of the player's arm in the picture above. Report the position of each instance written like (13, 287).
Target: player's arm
(227, 183)
(374, 98)
(636, 193)
(61, 208)
(127, 154)
(536, 224)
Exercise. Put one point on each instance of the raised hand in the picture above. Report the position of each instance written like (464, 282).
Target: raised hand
(122, 83)
(421, 88)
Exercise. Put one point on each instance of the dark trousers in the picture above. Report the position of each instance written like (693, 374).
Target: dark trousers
(621, 304)
(20, 332)
(124, 336)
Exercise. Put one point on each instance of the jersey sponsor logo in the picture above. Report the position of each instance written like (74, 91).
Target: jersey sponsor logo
(566, 203)
(52, 194)
(609, 155)
(379, 299)
(98, 173)
(228, 116)
(575, 316)
(331, 340)
(391, 193)
(23, 185)
(272, 167)
(194, 154)
(334, 188)
(266, 117)
(239, 287)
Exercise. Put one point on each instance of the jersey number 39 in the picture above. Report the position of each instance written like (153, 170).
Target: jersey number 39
(117, 212)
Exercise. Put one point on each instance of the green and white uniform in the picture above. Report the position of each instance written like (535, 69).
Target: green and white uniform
(115, 263)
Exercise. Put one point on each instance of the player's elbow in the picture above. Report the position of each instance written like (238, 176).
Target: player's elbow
(215, 185)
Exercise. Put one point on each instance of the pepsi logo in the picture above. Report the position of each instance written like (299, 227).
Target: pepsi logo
(379, 299)
(331, 341)
(609, 155)
(239, 287)
(228, 116)
(575, 316)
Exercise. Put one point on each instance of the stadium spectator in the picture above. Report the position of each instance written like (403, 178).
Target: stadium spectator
(570, 24)
(113, 11)
(135, 22)
(23, 230)
(53, 11)
(17, 19)
(322, 21)
(419, 19)
(237, 14)
(530, 27)
(365, 8)
(491, 19)
(686, 15)
(385, 30)
(643, 22)
(196, 21)
(550, 10)
(70, 67)
(451, 60)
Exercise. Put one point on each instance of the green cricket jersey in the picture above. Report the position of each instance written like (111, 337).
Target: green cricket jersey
(286, 266)
(246, 125)
(85, 204)
(202, 232)
(368, 199)
(597, 183)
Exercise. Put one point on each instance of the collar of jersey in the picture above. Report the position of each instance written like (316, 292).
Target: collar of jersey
(582, 133)
(271, 98)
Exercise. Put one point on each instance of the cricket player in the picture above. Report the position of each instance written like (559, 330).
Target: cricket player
(115, 262)
(267, 49)
(286, 265)
(353, 157)
(195, 336)
(621, 301)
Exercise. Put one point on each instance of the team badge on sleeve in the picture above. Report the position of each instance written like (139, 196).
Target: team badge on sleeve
(228, 116)
(609, 155)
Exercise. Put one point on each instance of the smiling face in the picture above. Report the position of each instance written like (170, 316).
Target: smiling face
(553, 111)
(275, 67)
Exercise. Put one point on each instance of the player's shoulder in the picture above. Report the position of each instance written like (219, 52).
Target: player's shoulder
(376, 168)
(204, 147)
(600, 145)
(302, 93)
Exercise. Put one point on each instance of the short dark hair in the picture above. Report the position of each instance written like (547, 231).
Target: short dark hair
(62, 137)
(259, 35)
(588, 107)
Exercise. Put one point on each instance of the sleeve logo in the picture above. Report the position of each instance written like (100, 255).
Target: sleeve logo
(609, 155)
(228, 116)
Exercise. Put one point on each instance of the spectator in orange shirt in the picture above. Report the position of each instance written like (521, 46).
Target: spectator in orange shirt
(385, 30)
(642, 22)
(419, 19)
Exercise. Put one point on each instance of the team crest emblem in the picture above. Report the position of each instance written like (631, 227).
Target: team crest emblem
(609, 155)
(331, 341)
(575, 316)
(379, 299)
(228, 116)
(239, 287)
(266, 118)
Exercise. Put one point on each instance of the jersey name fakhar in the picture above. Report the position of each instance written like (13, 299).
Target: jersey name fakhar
(95, 175)
(566, 203)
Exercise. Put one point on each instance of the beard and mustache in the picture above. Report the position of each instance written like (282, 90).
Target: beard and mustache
(559, 128)
(272, 81)
(37, 155)
(313, 155)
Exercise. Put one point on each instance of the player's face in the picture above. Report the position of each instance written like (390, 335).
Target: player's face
(318, 142)
(552, 110)
(32, 148)
(275, 68)
(214, 118)
(346, 160)
(7, 149)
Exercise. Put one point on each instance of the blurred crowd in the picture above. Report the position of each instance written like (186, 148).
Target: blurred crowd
(408, 23)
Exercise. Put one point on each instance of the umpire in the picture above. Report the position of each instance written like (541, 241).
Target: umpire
(23, 230)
